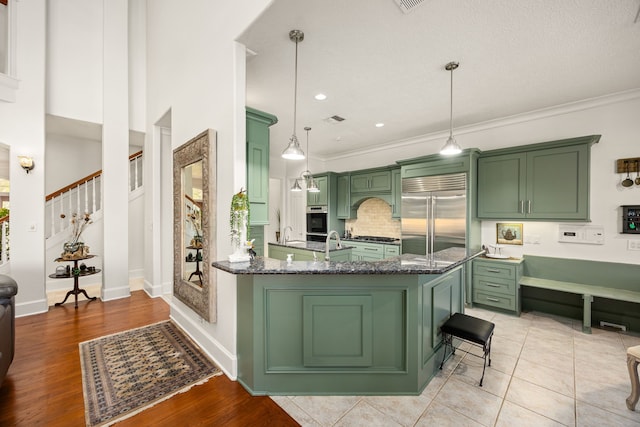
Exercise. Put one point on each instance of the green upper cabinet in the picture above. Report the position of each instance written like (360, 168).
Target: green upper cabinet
(258, 124)
(371, 182)
(548, 181)
(344, 197)
(396, 193)
(320, 198)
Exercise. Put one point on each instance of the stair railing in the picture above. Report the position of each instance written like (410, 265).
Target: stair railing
(84, 195)
(4, 240)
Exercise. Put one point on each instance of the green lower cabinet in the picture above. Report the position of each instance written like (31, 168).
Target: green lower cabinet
(495, 283)
(257, 234)
(372, 251)
(343, 334)
(281, 252)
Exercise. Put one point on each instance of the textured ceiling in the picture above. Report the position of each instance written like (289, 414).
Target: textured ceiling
(378, 64)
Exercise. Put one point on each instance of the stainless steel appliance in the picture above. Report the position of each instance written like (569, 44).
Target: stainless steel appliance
(433, 214)
(317, 223)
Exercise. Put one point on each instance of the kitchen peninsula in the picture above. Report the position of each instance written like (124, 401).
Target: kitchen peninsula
(317, 327)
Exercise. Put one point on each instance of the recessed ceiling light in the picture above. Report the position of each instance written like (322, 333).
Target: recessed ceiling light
(379, 125)
(320, 97)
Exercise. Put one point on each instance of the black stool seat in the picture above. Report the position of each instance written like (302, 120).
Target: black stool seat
(468, 328)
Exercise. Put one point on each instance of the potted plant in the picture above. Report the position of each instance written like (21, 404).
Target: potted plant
(239, 222)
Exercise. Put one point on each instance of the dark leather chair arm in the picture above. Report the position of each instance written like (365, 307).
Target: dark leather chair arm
(8, 287)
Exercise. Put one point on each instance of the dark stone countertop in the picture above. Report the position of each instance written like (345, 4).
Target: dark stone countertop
(395, 242)
(405, 264)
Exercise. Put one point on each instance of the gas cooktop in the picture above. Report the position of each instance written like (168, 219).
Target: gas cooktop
(374, 238)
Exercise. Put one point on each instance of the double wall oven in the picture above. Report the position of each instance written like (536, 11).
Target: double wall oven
(316, 223)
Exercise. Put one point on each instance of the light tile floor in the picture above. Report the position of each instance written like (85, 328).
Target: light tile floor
(544, 372)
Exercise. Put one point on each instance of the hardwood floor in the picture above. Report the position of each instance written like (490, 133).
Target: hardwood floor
(44, 385)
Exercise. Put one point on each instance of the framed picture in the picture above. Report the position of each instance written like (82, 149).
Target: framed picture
(509, 233)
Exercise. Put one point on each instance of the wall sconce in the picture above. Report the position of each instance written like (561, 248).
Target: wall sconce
(26, 163)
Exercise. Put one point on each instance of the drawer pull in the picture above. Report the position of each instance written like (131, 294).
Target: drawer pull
(371, 249)
(491, 270)
(493, 285)
(493, 299)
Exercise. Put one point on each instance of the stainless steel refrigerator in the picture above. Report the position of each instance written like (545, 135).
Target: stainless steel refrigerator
(433, 214)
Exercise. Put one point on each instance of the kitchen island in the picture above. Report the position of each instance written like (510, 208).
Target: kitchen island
(316, 327)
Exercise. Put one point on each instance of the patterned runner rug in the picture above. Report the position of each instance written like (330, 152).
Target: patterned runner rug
(125, 373)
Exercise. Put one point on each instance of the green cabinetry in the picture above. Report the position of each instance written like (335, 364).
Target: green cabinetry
(547, 181)
(343, 210)
(495, 283)
(257, 133)
(321, 198)
(357, 334)
(371, 182)
(396, 194)
(281, 252)
(365, 251)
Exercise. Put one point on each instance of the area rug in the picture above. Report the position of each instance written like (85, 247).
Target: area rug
(125, 373)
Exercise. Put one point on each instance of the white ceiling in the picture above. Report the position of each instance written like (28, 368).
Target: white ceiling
(378, 64)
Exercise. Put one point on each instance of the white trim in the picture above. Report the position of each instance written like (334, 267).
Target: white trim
(226, 361)
(31, 307)
(495, 123)
(115, 293)
(154, 291)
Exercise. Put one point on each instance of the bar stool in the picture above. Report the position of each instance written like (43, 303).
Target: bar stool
(633, 358)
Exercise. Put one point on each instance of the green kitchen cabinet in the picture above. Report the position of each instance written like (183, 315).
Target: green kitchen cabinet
(371, 182)
(536, 182)
(496, 283)
(365, 251)
(257, 133)
(321, 198)
(344, 210)
(396, 194)
(280, 252)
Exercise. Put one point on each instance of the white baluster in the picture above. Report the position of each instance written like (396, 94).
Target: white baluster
(86, 197)
(93, 198)
(61, 211)
(78, 199)
(136, 172)
(53, 216)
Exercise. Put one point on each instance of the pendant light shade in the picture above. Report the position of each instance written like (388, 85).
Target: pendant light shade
(293, 150)
(451, 146)
(312, 185)
(296, 186)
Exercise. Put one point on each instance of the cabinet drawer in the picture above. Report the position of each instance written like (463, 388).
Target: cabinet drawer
(505, 302)
(494, 269)
(494, 285)
(391, 251)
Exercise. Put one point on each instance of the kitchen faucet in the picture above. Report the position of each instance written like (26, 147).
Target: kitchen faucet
(284, 234)
(338, 244)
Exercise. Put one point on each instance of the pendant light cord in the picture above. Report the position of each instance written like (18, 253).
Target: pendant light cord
(295, 91)
(451, 106)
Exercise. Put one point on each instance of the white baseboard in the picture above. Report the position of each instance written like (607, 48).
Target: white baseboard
(31, 307)
(116, 293)
(154, 291)
(220, 355)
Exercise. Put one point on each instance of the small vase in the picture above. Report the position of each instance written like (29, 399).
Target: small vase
(277, 237)
(72, 247)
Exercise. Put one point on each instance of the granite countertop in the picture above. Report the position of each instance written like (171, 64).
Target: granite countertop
(405, 264)
(310, 246)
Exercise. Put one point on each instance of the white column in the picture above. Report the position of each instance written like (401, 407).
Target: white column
(115, 151)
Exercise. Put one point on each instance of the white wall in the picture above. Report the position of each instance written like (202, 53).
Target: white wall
(22, 128)
(614, 117)
(75, 61)
(202, 82)
(69, 159)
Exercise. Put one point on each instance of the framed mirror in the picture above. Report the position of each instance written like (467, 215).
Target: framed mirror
(194, 233)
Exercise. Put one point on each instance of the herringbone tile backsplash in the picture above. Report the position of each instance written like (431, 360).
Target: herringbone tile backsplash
(374, 219)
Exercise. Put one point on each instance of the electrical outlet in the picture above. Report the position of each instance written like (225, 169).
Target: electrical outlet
(32, 228)
(633, 245)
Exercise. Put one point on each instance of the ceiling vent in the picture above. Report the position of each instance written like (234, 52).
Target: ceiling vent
(408, 5)
(334, 119)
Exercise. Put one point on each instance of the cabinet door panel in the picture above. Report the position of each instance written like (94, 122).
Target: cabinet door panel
(501, 186)
(557, 183)
(344, 197)
(359, 183)
(380, 181)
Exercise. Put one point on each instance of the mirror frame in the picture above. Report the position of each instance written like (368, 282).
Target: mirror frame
(202, 299)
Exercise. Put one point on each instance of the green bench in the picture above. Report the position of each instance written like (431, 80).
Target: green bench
(590, 279)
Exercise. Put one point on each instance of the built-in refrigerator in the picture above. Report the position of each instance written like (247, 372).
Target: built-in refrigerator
(434, 214)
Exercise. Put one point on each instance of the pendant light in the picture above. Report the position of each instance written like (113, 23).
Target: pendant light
(312, 185)
(296, 186)
(451, 146)
(293, 150)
